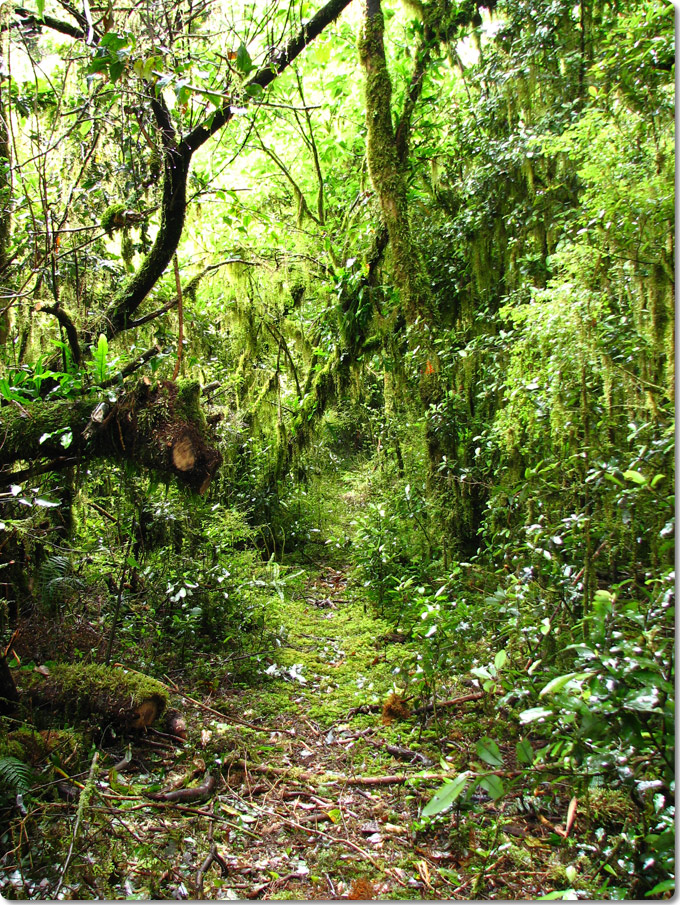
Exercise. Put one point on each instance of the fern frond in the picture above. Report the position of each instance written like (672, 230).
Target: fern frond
(15, 774)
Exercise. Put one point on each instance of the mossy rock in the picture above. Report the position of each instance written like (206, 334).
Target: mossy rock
(78, 691)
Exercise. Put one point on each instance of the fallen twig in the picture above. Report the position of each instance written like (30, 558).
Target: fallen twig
(213, 855)
(399, 751)
(81, 810)
(452, 702)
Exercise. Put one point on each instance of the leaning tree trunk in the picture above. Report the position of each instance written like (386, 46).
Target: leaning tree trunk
(154, 425)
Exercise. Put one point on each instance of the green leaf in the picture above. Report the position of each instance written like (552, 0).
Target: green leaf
(500, 659)
(644, 701)
(444, 797)
(663, 886)
(561, 681)
(116, 68)
(525, 753)
(99, 356)
(40, 4)
(533, 714)
(489, 752)
(243, 62)
(635, 477)
(493, 785)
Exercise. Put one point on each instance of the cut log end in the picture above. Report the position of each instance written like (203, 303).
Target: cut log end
(184, 454)
(146, 712)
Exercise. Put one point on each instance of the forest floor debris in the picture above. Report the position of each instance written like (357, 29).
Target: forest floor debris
(303, 787)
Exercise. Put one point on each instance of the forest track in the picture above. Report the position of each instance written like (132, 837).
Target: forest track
(328, 808)
(316, 798)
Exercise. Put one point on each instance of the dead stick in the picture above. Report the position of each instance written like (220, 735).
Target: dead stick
(102, 511)
(203, 869)
(452, 702)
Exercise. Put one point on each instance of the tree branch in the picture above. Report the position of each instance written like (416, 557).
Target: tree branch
(28, 18)
(68, 325)
(176, 162)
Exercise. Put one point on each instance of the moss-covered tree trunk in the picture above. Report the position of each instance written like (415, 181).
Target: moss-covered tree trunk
(386, 153)
(158, 426)
(5, 178)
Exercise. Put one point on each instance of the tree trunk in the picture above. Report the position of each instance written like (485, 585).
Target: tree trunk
(158, 426)
(386, 153)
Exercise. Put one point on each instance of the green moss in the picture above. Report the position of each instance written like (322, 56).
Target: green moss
(80, 690)
(111, 216)
(188, 401)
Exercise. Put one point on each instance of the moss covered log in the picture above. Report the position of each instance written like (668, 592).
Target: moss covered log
(158, 425)
(78, 691)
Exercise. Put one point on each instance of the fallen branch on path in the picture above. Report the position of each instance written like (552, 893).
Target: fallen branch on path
(197, 793)
(425, 708)
(397, 779)
(403, 753)
(213, 855)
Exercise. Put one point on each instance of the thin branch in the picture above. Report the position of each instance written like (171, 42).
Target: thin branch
(315, 152)
(135, 366)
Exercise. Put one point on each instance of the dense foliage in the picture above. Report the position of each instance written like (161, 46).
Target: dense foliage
(458, 283)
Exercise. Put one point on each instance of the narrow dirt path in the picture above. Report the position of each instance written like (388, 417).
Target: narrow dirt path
(319, 800)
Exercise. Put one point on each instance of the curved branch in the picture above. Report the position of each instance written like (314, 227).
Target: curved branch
(68, 325)
(176, 162)
(26, 17)
(268, 73)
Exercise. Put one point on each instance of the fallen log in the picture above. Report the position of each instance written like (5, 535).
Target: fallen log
(157, 425)
(78, 691)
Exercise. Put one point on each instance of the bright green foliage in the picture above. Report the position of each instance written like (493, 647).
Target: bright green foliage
(516, 525)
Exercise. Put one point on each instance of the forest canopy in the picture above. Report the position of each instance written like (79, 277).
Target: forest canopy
(384, 284)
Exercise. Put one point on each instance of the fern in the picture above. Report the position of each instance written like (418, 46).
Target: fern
(99, 358)
(57, 581)
(15, 774)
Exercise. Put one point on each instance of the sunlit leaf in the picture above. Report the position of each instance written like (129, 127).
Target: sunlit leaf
(534, 713)
(635, 476)
(446, 795)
